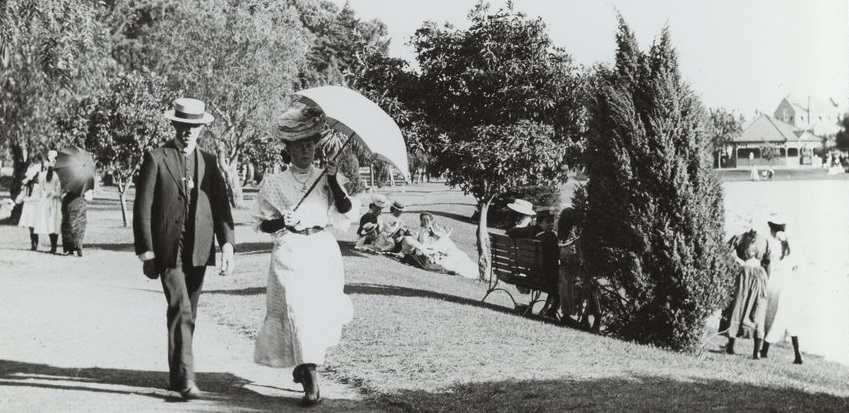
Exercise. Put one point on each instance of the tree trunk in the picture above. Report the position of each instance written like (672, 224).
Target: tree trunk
(234, 184)
(19, 168)
(122, 195)
(232, 175)
(229, 169)
(484, 256)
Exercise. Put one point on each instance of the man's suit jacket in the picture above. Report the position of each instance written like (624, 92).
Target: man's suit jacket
(159, 209)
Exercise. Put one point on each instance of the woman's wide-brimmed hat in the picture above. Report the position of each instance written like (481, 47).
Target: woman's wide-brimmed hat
(370, 228)
(397, 205)
(189, 111)
(523, 207)
(379, 200)
(298, 123)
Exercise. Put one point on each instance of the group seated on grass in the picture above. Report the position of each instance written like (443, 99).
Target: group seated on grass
(428, 247)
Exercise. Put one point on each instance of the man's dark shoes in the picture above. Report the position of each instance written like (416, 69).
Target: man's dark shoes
(191, 392)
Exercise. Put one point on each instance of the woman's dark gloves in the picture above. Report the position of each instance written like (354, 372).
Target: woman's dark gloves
(272, 225)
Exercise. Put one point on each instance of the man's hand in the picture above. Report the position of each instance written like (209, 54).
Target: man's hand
(149, 269)
(227, 260)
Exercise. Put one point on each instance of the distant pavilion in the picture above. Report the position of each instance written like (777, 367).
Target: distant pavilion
(764, 135)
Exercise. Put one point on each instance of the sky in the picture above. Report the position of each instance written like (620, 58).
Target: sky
(742, 55)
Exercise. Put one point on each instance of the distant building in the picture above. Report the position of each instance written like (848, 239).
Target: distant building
(768, 141)
(819, 116)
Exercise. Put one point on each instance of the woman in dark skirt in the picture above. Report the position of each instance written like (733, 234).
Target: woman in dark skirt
(74, 219)
(745, 316)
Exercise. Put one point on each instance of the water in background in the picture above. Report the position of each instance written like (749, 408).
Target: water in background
(817, 217)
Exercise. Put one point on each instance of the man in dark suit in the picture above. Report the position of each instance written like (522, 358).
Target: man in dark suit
(180, 204)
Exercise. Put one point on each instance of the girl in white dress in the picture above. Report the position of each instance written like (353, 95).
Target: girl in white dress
(782, 300)
(42, 202)
(449, 255)
(306, 305)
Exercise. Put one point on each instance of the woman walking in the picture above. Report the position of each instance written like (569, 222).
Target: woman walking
(746, 314)
(74, 219)
(782, 304)
(306, 305)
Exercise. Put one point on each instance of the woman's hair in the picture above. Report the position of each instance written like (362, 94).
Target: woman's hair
(425, 214)
(776, 227)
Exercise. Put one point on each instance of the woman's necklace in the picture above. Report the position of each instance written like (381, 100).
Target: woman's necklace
(305, 181)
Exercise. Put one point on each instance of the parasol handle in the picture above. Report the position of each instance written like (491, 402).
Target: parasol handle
(324, 171)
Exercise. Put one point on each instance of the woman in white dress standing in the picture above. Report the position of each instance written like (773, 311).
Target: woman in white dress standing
(306, 305)
(41, 211)
(783, 304)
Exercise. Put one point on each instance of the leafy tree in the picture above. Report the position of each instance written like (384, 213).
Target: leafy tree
(44, 46)
(241, 58)
(126, 123)
(770, 152)
(503, 102)
(340, 42)
(722, 127)
(653, 207)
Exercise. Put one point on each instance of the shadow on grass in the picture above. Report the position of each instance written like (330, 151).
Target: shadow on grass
(347, 248)
(121, 247)
(398, 291)
(377, 289)
(249, 248)
(225, 390)
(633, 394)
(450, 215)
(220, 386)
(240, 292)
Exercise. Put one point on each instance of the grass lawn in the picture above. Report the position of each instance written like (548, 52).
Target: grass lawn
(423, 342)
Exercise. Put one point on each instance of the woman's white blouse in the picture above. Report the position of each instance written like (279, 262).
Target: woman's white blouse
(281, 192)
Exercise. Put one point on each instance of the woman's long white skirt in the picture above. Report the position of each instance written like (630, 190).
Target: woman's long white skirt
(783, 305)
(306, 305)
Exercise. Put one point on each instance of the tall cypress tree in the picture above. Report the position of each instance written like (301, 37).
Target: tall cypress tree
(654, 213)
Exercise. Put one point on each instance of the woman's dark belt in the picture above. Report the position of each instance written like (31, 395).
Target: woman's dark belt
(305, 231)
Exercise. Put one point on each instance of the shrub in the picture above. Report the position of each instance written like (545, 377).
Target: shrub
(653, 212)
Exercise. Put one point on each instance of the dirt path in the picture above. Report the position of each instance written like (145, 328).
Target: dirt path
(88, 335)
